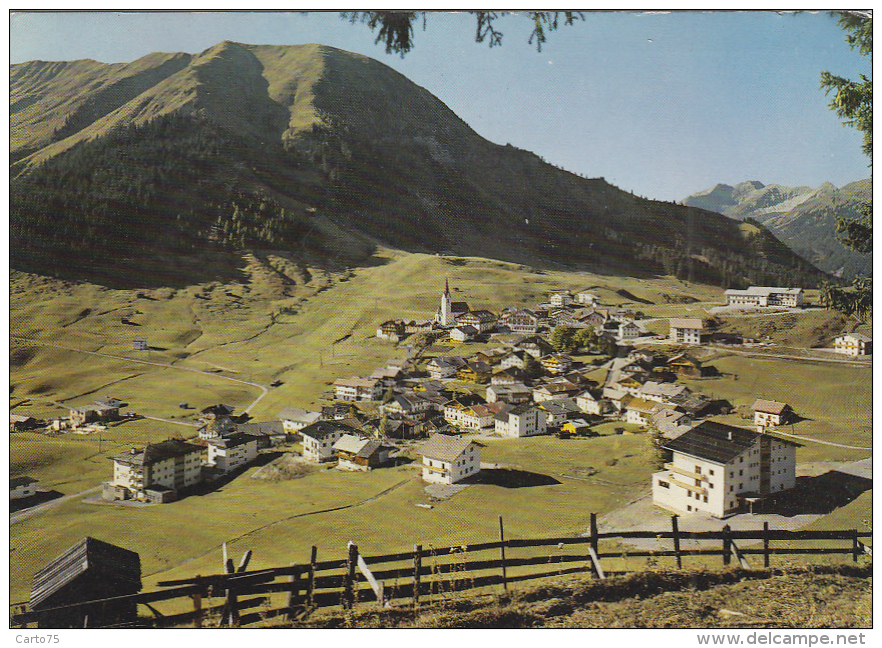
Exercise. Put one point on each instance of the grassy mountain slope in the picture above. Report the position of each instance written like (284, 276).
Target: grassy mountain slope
(310, 149)
(802, 217)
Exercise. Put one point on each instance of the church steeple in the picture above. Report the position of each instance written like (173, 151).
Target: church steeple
(446, 306)
(447, 287)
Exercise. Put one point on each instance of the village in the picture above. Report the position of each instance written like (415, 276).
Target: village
(569, 367)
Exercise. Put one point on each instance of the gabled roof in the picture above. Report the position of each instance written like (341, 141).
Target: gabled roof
(860, 337)
(356, 445)
(261, 428)
(717, 442)
(155, 452)
(233, 440)
(769, 406)
(445, 447)
(15, 482)
(300, 415)
(88, 555)
(686, 322)
(323, 429)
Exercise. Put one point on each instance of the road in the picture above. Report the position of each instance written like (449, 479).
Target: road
(27, 513)
(755, 354)
(264, 390)
(829, 443)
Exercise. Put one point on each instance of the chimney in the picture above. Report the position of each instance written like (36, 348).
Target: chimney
(730, 435)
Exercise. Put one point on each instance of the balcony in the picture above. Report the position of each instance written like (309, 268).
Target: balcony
(684, 472)
(437, 469)
(691, 487)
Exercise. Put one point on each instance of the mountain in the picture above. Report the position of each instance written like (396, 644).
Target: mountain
(802, 217)
(164, 169)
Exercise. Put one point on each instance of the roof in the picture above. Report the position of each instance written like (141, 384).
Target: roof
(716, 442)
(468, 329)
(218, 409)
(355, 382)
(356, 445)
(445, 447)
(481, 315)
(641, 405)
(323, 429)
(297, 414)
(156, 452)
(263, 428)
(860, 337)
(233, 440)
(20, 418)
(88, 555)
(764, 290)
(94, 407)
(15, 482)
(686, 322)
(769, 406)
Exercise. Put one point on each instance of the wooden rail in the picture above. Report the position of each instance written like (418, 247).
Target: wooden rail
(430, 572)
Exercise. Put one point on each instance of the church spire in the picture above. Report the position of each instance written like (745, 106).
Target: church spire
(446, 287)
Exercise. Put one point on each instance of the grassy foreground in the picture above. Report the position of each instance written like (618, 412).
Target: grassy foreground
(825, 597)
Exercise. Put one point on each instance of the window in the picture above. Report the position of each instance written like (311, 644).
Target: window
(663, 484)
(740, 459)
(705, 499)
(710, 485)
(740, 486)
(710, 472)
(698, 470)
(688, 507)
(740, 473)
(698, 482)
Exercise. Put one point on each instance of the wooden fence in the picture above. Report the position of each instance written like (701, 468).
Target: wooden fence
(239, 597)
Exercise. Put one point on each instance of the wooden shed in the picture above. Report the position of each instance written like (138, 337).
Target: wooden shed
(90, 570)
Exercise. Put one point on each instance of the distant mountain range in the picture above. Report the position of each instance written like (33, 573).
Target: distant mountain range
(802, 217)
(164, 169)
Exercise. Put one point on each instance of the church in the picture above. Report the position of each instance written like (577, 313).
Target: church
(448, 312)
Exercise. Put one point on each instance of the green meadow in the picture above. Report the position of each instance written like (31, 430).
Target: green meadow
(306, 327)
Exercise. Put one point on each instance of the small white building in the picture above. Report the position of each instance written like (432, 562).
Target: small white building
(561, 299)
(715, 467)
(521, 420)
(661, 392)
(20, 487)
(231, 452)
(769, 413)
(591, 404)
(853, 344)
(358, 389)
(482, 320)
(587, 298)
(448, 459)
(295, 419)
(463, 333)
(514, 393)
(628, 331)
(686, 330)
(320, 437)
(439, 368)
(765, 296)
(639, 411)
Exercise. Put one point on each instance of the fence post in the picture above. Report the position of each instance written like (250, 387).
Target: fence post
(349, 579)
(675, 526)
(727, 545)
(502, 554)
(855, 546)
(310, 581)
(232, 604)
(766, 545)
(417, 566)
(293, 593)
(197, 607)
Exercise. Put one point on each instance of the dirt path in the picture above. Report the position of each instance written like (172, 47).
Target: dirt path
(755, 354)
(829, 443)
(264, 390)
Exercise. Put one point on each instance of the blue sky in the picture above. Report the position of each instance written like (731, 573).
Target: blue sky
(661, 104)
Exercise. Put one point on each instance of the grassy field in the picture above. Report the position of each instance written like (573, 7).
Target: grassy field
(305, 327)
(834, 400)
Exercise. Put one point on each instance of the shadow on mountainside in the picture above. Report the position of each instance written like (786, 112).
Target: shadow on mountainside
(816, 495)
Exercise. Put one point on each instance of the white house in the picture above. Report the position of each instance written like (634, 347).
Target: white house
(515, 393)
(439, 368)
(410, 404)
(591, 404)
(463, 333)
(587, 298)
(716, 466)
(320, 437)
(231, 452)
(769, 413)
(661, 392)
(515, 359)
(448, 459)
(156, 472)
(294, 419)
(686, 330)
(561, 299)
(853, 344)
(482, 320)
(20, 487)
(639, 411)
(521, 420)
(520, 320)
(764, 296)
(559, 410)
(628, 331)
(554, 390)
(358, 389)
